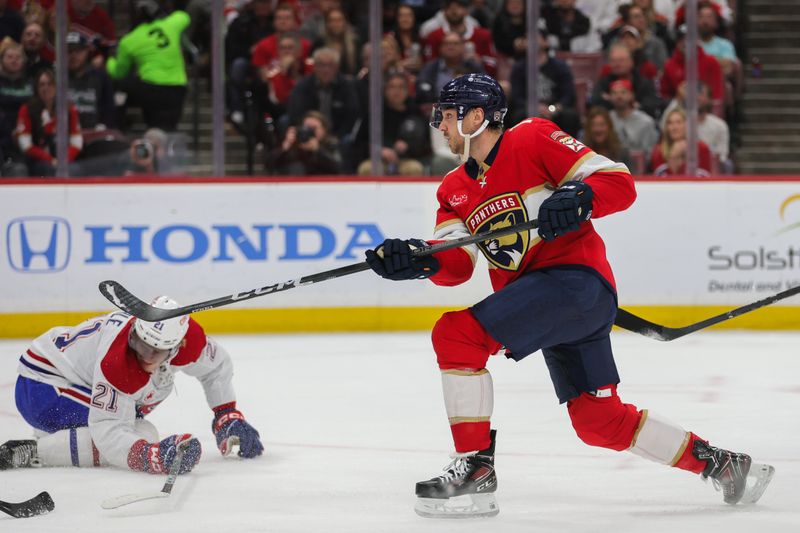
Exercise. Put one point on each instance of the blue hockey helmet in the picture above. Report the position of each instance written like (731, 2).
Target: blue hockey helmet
(468, 92)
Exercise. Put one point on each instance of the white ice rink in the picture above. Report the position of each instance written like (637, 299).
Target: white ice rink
(351, 422)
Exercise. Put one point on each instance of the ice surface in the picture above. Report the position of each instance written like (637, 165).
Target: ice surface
(351, 422)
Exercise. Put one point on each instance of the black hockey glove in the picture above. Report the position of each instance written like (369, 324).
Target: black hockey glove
(394, 260)
(564, 211)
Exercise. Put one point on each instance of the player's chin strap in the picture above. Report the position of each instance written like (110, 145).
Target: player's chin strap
(468, 136)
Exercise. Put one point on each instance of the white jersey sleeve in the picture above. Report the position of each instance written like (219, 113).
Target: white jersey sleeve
(214, 370)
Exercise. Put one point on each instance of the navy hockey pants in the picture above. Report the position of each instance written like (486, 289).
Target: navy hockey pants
(565, 312)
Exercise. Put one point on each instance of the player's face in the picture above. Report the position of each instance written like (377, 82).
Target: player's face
(149, 358)
(449, 128)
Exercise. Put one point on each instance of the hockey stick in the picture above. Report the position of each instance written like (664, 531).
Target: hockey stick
(125, 300)
(122, 298)
(42, 503)
(166, 490)
(631, 322)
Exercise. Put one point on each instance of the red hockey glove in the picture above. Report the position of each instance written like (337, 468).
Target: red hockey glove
(230, 428)
(157, 458)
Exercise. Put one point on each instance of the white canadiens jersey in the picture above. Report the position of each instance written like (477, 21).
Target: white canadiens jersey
(92, 364)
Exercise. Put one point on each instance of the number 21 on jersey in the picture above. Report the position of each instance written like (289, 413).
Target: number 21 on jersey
(104, 397)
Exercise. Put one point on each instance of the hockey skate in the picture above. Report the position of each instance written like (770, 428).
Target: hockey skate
(735, 474)
(18, 454)
(465, 490)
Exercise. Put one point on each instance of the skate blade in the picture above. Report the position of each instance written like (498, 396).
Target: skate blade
(757, 482)
(466, 506)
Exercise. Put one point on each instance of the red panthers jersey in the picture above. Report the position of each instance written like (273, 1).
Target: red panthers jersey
(526, 165)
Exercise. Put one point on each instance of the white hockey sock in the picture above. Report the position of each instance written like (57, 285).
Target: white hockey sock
(74, 447)
(69, 447)
(659, 439)
(468, 395)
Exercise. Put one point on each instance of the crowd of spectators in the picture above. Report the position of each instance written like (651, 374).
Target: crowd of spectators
(144, 69)
(611, 73)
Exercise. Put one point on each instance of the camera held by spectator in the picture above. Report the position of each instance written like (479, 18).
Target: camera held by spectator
(307, 149)
(305, 134)
(143, 158)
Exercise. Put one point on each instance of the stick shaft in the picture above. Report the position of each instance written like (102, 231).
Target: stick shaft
(125, 300)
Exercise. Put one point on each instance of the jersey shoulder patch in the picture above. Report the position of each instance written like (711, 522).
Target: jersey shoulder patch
(567, 140)
(191, 346)
(120, 367)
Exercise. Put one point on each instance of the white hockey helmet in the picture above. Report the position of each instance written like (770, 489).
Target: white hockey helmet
(165, 334)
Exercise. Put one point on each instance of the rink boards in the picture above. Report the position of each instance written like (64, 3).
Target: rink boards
(685, 250)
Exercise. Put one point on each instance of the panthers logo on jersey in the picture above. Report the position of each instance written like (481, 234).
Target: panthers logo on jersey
(499, 212)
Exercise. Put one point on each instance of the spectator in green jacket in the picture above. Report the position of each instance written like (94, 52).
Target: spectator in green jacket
(154, 48)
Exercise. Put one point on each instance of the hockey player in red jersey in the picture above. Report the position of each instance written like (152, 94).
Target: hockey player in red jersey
(87, 389)
(553, 291)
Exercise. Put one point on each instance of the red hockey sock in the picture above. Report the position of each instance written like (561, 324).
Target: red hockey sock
(471, 436)
(688, 461)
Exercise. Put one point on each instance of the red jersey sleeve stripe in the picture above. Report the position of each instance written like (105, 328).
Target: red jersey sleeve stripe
(41, 359)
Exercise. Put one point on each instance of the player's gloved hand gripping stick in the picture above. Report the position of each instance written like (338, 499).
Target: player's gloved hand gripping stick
(396, 260)
(564, 210)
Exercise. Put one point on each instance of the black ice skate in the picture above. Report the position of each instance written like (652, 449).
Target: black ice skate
(465, 490)
(735, 474)
(18, 454)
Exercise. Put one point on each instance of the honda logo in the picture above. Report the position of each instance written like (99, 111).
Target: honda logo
(38, 244)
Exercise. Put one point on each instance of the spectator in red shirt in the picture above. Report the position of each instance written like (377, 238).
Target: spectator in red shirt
(676, 163)
(478, 41)
(266, 50)
(675, 131)
(282, 75)
(621, 67)
(91, 20)
(708, 70)
(36, 127)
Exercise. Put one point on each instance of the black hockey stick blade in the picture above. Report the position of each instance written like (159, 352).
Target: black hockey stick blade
(633, 323)
(42, 503)
(125, 300)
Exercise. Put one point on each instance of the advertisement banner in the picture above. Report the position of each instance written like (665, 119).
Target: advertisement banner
(199, 241)
(706, 243)
(683, 243)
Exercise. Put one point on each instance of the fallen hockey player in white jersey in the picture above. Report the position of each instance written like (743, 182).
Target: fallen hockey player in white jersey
(86, 390)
